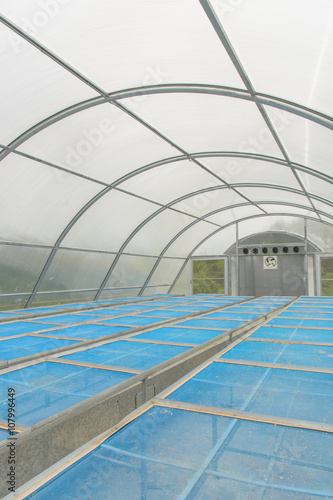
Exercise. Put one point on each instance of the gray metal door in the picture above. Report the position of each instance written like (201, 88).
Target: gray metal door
(272, 275)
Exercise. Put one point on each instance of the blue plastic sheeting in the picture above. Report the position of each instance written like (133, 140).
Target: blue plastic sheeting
(284, 393)
(166, 313)
(244, 317)
(173, 334)
(296, 334)
(27, 345)
(132, 321)
(219, 324)
(175, 454)
(125, 354)
(20, 327)
(88, 331)
(4, 315)
(253, 310)
(309, 314)
(210, 304)
(69, 318)
(188, 308)
(99, 313)
(140, 308)
(309, 323)
(274, 352)
(47, 388)
(39, 310)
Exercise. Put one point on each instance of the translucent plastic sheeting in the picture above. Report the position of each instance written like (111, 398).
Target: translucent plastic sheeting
(86, 232)
(259, 193)
(296, 334)
(189, 239)
(166, 270)
(205, 122)
(26, 346)
(230, 216)
(55, 87)
(138, 61)
(60, 195)
(204, 203)
(96, 135)
(284, 393)
(20, 327)
(174, 334)
(317, 138)
(284, 224)
(321, 235)
(292, 354)
(88, 331)
(218, 243)
(302, 322)
(128, 354)
(256, 171)
(44, 389)
(157, 233)
(130, 270)
(171, 453)
(248, 25)
(159, 183)
(65, 271)
(20, 267)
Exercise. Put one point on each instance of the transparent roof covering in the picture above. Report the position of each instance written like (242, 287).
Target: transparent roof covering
(137, 132)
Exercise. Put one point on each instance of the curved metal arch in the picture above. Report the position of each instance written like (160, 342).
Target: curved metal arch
(97, 198)
(113, 97)
(235, 222)
(213, 213)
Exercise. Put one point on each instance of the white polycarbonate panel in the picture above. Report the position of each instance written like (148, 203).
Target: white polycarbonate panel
(189, 239)
(288, 209)
(33, 87)
(258, 194)
(155, 235)
(37, 202)
(319, 187)
(235, 170)
(217, 244)
(101, 142)
(307, 143)
(170, 181)
(286, 47)
(66, 270)
(203, 122)
(208, 201)
(292, 225)
(234, 214)
(138, 42)
(130, 270)
(166, 271)
(108, 222)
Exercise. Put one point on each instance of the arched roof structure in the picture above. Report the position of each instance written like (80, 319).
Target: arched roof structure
(135, 133)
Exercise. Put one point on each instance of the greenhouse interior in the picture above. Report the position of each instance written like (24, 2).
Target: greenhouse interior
(166, 249)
